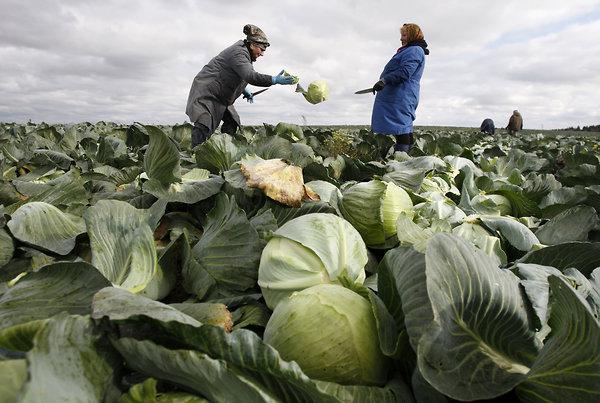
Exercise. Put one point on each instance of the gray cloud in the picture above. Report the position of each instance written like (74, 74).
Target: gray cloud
(134, 61)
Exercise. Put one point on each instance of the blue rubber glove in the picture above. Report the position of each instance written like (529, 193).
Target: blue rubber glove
(248, 96)
(281, 79)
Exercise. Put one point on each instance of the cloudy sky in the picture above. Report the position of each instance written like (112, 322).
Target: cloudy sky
(130, 60)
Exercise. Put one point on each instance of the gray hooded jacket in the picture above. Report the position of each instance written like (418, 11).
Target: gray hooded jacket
(216, 87)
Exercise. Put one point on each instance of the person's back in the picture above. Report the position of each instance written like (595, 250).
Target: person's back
(487, 126)
(515, 123)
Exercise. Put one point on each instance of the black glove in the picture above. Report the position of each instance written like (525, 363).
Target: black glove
(378, 86)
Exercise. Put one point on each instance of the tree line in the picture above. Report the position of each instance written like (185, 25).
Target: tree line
(591, 128)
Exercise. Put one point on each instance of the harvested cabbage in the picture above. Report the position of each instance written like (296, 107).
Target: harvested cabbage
(317, 92)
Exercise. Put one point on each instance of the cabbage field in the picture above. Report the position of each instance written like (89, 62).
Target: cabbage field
(297, 264)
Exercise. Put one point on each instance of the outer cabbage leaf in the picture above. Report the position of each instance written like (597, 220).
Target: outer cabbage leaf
(241, 353)
(122, 243)
(44, 225)
(283, 214)
(67, 362)
(66, 190)
(571, 225)
(218, 153)
(195, 185)
(230, 247)
(480, 343)
(517, 234)
(567, 367)
(7, 247)
(585, 256)
(146, 392)
(161, 160)
(38, 296)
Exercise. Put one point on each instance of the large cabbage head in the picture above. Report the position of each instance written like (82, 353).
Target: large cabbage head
(373, 208)
(309, 250)
(318, 91)
(331, 333)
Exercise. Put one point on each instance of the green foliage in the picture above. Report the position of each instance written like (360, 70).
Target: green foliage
(494, 286)
(339, 143)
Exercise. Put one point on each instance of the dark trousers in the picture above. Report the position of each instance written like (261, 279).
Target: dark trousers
(404, 142)
(201, 133)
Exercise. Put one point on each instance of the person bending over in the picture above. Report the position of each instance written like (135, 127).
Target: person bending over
(216, 87)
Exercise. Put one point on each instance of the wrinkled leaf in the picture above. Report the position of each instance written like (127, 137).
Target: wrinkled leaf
(230, 247)
(122, 243)
(66, 362)
(44, 225)
(567, 367)
(480, 343)
(161, 160)
(278, 180)
(58, 287)
(571, 225)
(584, 256)
(195, 186)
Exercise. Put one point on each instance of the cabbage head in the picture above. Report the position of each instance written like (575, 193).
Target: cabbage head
(309, 250)
(330, 331)
(318, 91)
(289, 131)
(443, 209)
(484, 240)
(493, 204)
(373, 208)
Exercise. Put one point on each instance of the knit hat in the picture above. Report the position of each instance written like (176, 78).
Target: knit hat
(255, 34)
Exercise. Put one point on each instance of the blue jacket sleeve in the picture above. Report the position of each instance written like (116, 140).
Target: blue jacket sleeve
(401, 69)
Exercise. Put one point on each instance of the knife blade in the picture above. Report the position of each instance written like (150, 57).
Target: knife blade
(259, 92)
(365, 91)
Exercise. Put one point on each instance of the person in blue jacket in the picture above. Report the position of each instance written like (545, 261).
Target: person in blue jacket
(398, 89)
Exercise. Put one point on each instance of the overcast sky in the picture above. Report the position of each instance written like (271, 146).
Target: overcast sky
(130, 60)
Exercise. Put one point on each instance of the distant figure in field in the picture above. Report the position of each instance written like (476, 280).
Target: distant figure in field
(515, 123)
(487, 126)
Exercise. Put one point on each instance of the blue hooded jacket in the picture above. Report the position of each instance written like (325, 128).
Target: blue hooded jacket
(395, 105)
